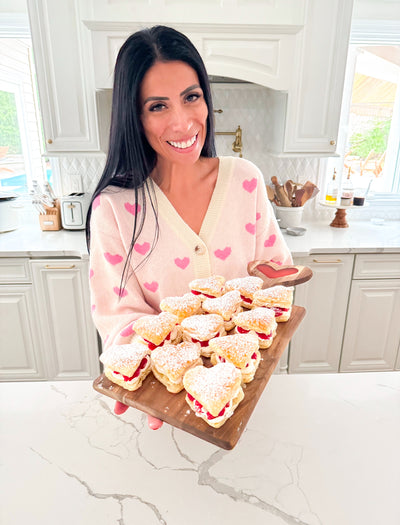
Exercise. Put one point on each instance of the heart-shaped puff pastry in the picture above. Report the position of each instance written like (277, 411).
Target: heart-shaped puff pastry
(214, 393)
(273, 274)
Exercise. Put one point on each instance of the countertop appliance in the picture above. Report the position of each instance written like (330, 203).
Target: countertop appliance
(74, 208)
(9, 212)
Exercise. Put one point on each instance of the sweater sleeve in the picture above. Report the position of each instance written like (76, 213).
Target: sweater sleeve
(115, 305)
(271, 245)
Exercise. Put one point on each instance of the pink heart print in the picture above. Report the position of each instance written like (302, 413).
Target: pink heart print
(93, 307)
(182, 263)
(113, 259)
(120, 291)
(249, 185)
(91, 273)
(142, 248)
(251, 228)
(132, 208)
(152, 287)
(126, 332)
(96, 202)
(258, 216)
(223, 254)
(270, 241)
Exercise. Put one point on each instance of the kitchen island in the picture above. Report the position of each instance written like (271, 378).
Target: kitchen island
(319, 450)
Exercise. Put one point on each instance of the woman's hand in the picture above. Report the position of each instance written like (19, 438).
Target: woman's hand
(153, 422)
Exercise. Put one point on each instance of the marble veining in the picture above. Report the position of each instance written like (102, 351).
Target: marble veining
(319, 449)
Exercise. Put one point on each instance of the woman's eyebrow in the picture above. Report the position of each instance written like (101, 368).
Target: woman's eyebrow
(149, 99)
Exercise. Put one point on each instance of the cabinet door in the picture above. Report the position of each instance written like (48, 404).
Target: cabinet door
(19, 336)
(317, 343)
(67, 98)
(314, 102)
(372, 335)
(69, 337)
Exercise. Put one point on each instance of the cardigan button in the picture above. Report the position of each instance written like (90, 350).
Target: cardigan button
(199, 250)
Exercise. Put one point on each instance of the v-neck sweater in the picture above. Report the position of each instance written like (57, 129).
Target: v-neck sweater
(238, 227)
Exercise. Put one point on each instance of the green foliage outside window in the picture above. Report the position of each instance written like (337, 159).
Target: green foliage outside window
(376, 139)
(9, 129)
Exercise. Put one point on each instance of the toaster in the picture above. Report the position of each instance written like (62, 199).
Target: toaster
(74, 208)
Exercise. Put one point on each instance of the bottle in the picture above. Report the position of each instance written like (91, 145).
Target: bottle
(332, 190)
(347, 191)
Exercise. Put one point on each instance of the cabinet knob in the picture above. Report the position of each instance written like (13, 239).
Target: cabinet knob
(49, 141)
(333, 143)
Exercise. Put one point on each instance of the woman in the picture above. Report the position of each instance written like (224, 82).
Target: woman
(166, 209)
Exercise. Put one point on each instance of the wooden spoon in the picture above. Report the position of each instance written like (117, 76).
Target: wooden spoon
(273, 274)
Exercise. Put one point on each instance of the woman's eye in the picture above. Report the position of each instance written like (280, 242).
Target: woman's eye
(193, 97)
(157, 107)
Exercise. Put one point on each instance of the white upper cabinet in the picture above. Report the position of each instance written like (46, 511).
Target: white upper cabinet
(296, 48)
(64, 77)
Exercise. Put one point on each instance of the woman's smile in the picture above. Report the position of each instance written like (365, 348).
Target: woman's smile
(174, 112)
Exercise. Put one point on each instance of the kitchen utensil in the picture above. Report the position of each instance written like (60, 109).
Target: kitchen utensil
(290, 188)
(272, 274)
(280, 193)
(308, 188)
(154, 399)
(270, 193)
(298, 197)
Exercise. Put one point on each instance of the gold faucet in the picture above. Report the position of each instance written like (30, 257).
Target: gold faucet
(237, 144)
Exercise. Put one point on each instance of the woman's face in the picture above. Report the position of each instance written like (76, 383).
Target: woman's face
(174, 112)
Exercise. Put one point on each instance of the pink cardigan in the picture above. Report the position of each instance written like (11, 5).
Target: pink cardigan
(239, 227)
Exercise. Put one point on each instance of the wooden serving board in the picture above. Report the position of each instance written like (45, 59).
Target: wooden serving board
(154, 399)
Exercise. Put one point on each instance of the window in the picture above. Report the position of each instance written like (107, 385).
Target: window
(21, 138)
(369, 133)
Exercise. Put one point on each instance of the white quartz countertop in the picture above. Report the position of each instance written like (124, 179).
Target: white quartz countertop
(360, 237)
(318, 450)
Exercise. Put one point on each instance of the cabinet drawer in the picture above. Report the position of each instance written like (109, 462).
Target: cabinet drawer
(15, 270)
(377, 266)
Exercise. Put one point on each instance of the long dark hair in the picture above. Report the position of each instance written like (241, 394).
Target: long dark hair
(130, 158)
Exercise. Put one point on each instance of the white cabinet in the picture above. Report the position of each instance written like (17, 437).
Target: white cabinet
(316, 345)
(64, 76)
(69, 336)
(20, 349)
(297, 49)
(312, 108)
(372, 335)
(46, 329)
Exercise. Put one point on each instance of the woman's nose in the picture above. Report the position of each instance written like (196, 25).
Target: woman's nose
(181, 120)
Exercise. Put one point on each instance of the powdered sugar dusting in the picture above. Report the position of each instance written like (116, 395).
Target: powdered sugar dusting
(226, 305)
(155, 326)
(276, 294)
(175, 358)
(203, 327)
(181, 306)
(213, 285)
(258, 319)
(245, 285)
(236, 347)
(121, 357)
(210, 385)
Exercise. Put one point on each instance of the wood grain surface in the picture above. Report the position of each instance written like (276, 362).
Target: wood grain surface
(273, 274)
(154, 399)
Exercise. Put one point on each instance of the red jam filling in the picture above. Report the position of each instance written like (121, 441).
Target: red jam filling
(142, 365)
(260, 335)
(245, 299)
(278, 310)
(199, 407)
(195, 292)
(202, 343)
(152, 346)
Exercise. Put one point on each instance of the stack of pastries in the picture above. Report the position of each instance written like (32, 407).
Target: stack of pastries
(226, 321)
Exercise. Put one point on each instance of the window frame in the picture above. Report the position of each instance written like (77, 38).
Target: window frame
(369, 32)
